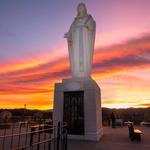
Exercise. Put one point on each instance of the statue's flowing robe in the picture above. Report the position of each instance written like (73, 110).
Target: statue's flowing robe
(81, 46)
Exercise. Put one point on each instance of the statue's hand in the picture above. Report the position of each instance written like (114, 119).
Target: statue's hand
(66, 35)
(86, 26)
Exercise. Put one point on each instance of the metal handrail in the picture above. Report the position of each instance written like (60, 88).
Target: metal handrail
(24, 133)
(55, 131)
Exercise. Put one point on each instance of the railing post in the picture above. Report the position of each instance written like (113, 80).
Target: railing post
(49, 143)
(26, 136)
(66, 139)
(12, 132)
(31, 136)
(19, 134)
(54, 134)
(3, 145)
(38, 146)
(61, 135)
(44, 137)
(58, 135)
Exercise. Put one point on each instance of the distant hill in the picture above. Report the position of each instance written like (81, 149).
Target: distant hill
(129, 114)
(26, 112)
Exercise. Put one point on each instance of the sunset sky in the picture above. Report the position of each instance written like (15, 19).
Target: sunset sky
(34, 55)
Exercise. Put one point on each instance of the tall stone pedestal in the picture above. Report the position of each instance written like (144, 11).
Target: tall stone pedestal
(78, 102)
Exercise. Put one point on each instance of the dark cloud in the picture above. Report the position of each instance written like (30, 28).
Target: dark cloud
(46, 67)
(43, 77)
(127, 61)
(144, 38)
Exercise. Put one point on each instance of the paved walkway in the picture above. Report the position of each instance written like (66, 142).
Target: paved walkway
(114, 139)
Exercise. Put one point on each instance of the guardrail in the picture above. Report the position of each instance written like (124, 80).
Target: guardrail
(26, 136)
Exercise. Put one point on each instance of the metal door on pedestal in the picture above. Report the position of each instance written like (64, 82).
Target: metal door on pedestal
(73, 112)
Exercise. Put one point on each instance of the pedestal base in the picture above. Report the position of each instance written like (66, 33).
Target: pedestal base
(92, 115)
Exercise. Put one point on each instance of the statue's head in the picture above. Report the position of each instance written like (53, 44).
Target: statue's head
(81, 10)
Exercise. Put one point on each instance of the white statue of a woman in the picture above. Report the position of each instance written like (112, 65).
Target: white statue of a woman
(81, 38)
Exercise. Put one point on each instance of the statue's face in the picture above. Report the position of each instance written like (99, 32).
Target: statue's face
(81, 10)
